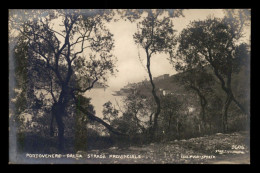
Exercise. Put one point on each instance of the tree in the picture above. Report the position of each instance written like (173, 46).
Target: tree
(194, 77)
(171, 106)
(135, 112)
(55, 67)
(215, 41)
(135, 14)
(240, 18)
(136, 106)
(156, 36)
(109, 112)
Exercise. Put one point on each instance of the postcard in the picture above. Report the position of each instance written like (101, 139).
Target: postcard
(129, 86)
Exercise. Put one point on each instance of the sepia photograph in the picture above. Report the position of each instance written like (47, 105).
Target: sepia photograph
(129, 86)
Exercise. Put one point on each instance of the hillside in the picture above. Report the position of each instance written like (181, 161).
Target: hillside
(240, 84)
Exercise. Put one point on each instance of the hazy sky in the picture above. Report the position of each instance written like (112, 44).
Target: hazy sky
(129, 65)
(130, 68)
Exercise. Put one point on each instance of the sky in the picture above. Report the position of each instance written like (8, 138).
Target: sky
(130, 68)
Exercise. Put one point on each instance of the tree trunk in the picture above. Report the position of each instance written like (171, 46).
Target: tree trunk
(239, 105)
(224, 114)
(156, 98)
(57, 112)
(92, 117)
(60, 132)
(177, 128)
(51, 125)
(226, 86)
(203, 104)
(151, 119)
(203, 119)
(169, 125)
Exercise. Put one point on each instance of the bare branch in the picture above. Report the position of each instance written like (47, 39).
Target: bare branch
(82, 43)
(53, 97)
(119, 106)
(88, 88)
(93, 117)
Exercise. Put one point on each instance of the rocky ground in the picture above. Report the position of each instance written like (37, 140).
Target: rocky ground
(219, 148)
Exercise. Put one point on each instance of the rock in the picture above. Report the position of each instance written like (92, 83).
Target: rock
(219, 133)
(135, 148)
(94, 151)
(171, 142)
(113, 148)
(81, 152)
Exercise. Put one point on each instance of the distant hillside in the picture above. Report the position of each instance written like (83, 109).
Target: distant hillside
(166, 84)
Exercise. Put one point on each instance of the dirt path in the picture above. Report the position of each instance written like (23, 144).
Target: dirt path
(215, 149)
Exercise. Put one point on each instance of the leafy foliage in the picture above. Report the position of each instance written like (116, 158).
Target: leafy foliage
(109, 112)
(55, 66)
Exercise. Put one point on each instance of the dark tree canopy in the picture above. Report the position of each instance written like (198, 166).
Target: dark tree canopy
(56, 56)
(156, 35)
(49, 58)
(215, 42)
